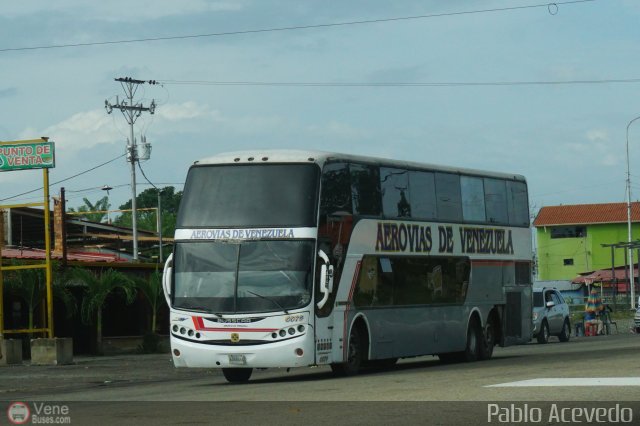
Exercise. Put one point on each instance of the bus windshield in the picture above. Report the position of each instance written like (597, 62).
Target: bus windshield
(243, 277)
(255, 195)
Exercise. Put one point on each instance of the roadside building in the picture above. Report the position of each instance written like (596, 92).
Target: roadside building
(572, 239)
(80, 243)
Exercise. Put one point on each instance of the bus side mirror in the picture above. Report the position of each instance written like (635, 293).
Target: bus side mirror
(167, 274)
(326, 279)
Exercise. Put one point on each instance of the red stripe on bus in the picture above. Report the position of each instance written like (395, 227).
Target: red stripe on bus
(345, 341)
(198, 323)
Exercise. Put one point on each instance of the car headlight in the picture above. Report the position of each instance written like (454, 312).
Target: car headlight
(535, 316)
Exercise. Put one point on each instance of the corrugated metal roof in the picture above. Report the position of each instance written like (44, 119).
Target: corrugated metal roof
(36, 254)
(584, 214)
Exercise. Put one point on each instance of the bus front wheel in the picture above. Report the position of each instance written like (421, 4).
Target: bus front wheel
(355, 355)
(237, 375)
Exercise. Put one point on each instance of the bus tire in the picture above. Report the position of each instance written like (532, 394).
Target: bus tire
(543, 335)
(474, 341)
(237, 375)
(355, 355)
(488, 340)
(565, 334)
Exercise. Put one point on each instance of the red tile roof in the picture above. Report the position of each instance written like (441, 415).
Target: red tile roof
(584, 214)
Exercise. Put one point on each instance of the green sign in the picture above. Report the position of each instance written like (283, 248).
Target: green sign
(23, 156)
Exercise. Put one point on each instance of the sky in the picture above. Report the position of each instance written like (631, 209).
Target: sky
(379, 90)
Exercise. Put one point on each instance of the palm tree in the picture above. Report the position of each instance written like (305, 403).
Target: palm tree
(90, 209)
(30, 286)
(98, 288)
(151, 288)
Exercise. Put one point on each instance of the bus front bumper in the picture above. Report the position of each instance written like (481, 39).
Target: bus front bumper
(294, 352)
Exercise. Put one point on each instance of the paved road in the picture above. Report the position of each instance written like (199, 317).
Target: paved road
(603, 368)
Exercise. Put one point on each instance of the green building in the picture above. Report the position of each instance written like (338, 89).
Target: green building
(570, 238)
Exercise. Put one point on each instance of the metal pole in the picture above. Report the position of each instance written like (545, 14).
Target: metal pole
(159, 218)
(132, 159)
(131, 112)
(631, 282)
(47, 249)
(1, 278)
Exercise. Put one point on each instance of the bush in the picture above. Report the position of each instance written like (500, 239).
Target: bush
(150, 344)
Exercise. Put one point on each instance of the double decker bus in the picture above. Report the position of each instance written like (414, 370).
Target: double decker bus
(297, 258)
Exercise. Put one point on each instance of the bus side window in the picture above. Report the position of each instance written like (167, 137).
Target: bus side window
(448, 198)
(365, 293)
(365, 190)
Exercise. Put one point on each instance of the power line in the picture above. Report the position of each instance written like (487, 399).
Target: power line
(551, 7)
(65, 179)
(398, 84)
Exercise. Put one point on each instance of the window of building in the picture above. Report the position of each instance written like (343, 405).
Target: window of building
(568, 262)
(568, 232)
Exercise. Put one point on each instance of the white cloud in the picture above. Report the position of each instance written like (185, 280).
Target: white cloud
(187, 110)
(80, 131)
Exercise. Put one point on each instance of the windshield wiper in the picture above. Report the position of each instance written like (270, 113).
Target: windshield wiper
(269, 299)
(203, 310)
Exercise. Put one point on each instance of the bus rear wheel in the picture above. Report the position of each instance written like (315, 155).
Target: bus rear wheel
(355, 355)
(472, 350)
(488, 339)
(474, 341)
(237, 375)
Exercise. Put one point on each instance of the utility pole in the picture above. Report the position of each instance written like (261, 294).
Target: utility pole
(131, 111)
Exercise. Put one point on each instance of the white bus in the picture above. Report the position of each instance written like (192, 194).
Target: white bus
(298, 258)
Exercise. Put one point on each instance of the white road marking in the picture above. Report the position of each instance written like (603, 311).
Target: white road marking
(574, 381)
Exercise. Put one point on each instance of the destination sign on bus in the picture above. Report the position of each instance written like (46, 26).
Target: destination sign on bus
(22, 156)
(418, 238)
(244, 233)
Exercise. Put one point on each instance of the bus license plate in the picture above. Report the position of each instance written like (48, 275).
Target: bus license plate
(237, 359)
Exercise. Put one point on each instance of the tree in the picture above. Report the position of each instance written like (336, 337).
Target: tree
(30, 286)
(151, 288)
(147, 219)
(102, 205)
(98, 288)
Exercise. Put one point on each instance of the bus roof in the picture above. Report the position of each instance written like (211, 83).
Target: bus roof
(320, 157)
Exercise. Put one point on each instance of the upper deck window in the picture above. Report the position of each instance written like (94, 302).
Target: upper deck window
(251, 195)
(449, 201)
